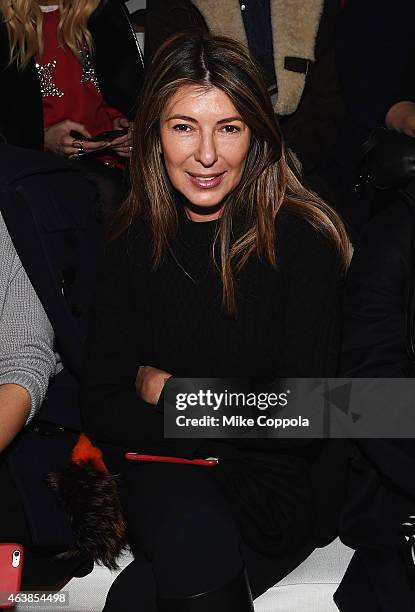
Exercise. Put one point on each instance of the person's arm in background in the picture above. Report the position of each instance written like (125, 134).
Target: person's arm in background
(401, 117)
(374, 333)
(375, 53)
(27, 359)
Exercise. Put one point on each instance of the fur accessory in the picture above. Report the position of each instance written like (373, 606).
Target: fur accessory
(89, 494)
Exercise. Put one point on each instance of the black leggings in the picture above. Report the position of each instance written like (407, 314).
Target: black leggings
(185, 539)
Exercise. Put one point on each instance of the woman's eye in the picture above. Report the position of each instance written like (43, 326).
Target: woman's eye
(182, 127)
(231, 129)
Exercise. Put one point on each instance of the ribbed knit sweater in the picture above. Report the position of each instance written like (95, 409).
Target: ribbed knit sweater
(27, 357)
(171, 317)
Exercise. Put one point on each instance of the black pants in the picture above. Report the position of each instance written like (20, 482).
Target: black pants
(185, 539)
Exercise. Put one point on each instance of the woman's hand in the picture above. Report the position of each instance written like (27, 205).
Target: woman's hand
(123, 145)
(58, 139)
(150, 383)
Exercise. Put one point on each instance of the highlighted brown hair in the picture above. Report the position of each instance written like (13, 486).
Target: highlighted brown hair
(270, 179)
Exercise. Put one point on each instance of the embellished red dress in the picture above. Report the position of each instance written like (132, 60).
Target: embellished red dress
(70, 88)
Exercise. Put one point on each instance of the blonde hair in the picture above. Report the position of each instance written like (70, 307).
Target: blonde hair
(270, 179)
(23, 20)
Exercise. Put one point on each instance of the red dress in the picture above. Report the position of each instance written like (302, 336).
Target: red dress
(70, 89)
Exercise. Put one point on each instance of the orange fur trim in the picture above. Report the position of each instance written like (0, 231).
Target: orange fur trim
(84, 452)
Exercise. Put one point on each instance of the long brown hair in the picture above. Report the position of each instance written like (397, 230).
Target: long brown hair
(270, 178)
(23, 20)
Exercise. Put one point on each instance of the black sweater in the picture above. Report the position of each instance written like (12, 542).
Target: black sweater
(282, 491)
(287, 324)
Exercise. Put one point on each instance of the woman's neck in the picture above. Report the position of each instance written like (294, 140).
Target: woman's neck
(200, 214)
(48, 2)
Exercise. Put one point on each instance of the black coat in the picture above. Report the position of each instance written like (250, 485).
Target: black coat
(311, 113)
(375, 342)
(375, 50)
(381, 492)
(118, 64)
(52, 217)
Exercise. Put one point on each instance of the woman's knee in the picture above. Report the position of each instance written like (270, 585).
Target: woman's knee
(185, 528)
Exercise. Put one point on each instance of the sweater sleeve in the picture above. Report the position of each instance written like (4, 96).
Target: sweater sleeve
(312, 303)
(112, 412)
(27, 357)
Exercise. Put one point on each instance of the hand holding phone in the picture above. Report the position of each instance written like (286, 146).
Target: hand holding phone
(108, 136)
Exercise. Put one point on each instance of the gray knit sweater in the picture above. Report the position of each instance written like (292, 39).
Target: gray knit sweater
(26, 335)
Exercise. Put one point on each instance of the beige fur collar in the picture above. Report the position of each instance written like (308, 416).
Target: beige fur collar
(294, 29)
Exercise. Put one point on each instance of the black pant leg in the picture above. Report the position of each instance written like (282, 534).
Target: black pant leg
(181, 526)
(134, 588)
(179, 518)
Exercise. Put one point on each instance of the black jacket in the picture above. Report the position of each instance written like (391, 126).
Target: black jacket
(381, 493)
(309, 106)
(52, 217)
(376, 298)
(118, 65)
(375, 52)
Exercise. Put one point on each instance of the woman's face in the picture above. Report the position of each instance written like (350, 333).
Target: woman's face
(205, 143)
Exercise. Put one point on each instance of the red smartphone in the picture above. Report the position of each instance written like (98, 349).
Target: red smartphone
(11, 565)
(209, 462)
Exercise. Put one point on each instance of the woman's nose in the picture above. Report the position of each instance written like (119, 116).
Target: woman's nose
(206, 152)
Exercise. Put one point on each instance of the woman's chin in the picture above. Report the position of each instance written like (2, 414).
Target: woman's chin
(197, 209)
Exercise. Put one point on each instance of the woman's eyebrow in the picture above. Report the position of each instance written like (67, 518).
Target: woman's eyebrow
(184, 117)
(229, 119)
(192, 120)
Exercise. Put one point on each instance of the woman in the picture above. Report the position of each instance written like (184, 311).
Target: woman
(27, 357)
(224, 266)
(295, 51)
(28, 363)
(378, 342)
(63, 83)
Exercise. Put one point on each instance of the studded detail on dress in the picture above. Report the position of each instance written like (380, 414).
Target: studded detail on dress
(47, 85)
(88, 72)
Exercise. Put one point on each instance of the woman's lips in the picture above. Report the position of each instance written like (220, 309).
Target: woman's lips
(207, 181)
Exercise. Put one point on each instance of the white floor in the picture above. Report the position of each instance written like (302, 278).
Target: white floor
(309, 588)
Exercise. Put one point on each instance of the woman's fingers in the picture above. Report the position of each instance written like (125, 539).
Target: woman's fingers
(125, 140)
(76, 127)
(121, 122)
(73, 146)
(94, 146)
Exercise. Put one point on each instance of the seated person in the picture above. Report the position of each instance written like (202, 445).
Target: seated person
(375, 54)
(60, 77)
(50, 234)
(27, 358)
(378, 341)
(293, 47)
(222, 265)
(27, 364)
